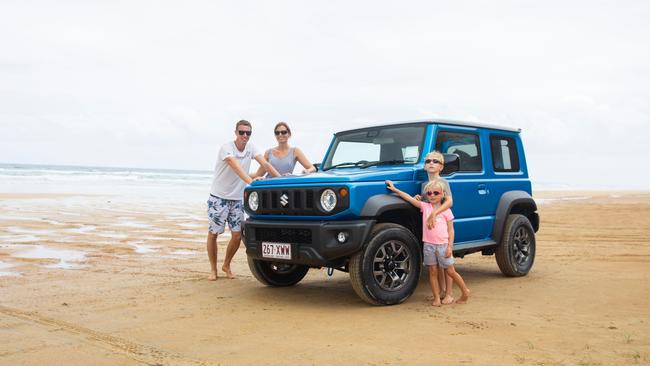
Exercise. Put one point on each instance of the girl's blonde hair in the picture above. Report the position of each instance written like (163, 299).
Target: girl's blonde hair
(435, 154)
(436, 184)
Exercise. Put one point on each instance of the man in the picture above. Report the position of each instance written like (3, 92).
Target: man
(225, 204)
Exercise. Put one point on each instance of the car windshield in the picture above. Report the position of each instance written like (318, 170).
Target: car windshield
(376, 146)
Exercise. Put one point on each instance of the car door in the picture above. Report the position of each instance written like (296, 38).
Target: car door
(473, 215)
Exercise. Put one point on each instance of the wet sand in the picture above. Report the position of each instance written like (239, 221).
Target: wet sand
(94, 280)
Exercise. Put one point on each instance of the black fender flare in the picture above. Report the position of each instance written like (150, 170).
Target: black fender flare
(378, 204)
(504, 208)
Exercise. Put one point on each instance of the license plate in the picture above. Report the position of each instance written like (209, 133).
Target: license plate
(276, 250)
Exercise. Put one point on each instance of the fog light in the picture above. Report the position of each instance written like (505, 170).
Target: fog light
(342, 237)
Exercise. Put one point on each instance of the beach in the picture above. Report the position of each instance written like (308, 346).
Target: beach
(111, 280)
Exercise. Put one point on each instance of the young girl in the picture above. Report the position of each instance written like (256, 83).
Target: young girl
(438, 240)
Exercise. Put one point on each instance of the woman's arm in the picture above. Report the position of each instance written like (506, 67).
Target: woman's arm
(302, 159)
(267, 166)
(405, 196)
(260, 171)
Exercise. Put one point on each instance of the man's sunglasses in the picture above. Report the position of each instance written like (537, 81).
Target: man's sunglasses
(434, 193)
(435, 161)
(284, 132)
(242, 133)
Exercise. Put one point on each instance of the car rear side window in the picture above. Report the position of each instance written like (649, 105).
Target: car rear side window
(465, 145)
(504, 154)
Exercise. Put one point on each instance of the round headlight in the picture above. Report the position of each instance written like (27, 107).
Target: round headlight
(253, 201)
(328, 200)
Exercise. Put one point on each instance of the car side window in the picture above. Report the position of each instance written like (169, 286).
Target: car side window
(464, 144)
(504, 154)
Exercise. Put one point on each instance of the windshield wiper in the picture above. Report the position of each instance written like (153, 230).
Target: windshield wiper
(360, 162)
(381, 162)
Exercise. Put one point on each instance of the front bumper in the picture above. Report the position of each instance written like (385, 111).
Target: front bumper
(313, 243)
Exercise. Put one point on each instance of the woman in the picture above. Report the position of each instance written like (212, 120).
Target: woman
(283, 157)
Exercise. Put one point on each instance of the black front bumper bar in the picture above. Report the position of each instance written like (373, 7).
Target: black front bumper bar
(313, 243)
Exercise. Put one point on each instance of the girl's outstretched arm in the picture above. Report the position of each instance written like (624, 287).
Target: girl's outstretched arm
(405, 196)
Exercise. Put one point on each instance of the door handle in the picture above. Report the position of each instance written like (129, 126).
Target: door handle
(482, 189)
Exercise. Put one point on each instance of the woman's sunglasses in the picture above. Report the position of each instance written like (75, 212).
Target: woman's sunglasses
(434, 193)
(242, 133)
(284, 132)
(435, 161)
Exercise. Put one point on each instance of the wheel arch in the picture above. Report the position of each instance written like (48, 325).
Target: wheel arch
(386, 208)
(514, 202)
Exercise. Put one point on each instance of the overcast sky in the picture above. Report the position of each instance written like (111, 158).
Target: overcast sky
(160, 84)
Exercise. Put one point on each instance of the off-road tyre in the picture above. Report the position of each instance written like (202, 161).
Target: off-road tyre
(515, 254)
(390, 250)
(277, 274)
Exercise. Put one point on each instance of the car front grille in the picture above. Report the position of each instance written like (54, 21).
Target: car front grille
(303, 201)
(287, 202)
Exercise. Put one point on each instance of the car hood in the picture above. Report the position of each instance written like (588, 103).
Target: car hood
(343, 175)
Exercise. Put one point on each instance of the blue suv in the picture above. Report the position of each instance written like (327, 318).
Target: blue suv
(343, 217)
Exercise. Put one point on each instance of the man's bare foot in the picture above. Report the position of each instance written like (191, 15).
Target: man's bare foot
(463, 299)
(228, 272)
(436, 302)
(213, 276)
(447, 300)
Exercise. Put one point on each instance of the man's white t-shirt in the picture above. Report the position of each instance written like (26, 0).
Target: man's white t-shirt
(226, 183)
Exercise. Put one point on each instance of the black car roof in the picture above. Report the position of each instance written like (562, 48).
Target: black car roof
(440, 122)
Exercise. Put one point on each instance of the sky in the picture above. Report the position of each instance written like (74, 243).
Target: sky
(160, 84)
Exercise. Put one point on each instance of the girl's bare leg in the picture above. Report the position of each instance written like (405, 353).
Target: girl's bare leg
(433, 282)
(442, 283)
(461, 283)
(449, 283)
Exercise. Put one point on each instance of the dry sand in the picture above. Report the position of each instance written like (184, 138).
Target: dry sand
(131, 289)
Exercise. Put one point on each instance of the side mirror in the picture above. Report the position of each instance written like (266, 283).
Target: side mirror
(317, 166)
(452, 164)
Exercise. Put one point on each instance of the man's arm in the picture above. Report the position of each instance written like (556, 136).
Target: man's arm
(266, 165)
(260, 171)
(234, 165)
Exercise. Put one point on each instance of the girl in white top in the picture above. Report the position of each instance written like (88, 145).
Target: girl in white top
(284, 157)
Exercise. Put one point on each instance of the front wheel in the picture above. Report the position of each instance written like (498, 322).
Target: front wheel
(516, 253)
(386, 271)
(277, 274)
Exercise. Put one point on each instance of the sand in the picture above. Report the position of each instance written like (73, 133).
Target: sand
(125, 284)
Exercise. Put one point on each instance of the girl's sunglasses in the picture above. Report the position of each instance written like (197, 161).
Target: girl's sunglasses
(434, 193)
(242, 133)
(284, 132)
(435, 161)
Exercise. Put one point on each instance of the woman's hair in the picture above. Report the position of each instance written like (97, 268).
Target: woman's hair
(435, 185)
(282, 124)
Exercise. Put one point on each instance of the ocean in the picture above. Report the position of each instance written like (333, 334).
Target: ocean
(169, 184)
(126, 182)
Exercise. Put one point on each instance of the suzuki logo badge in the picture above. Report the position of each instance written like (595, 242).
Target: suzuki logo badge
(284, 200)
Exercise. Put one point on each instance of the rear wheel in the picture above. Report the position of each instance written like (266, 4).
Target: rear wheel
(516, 253)
(387, 269)
(276, 273)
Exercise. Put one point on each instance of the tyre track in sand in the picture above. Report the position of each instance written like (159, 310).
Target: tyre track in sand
(139, 352)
